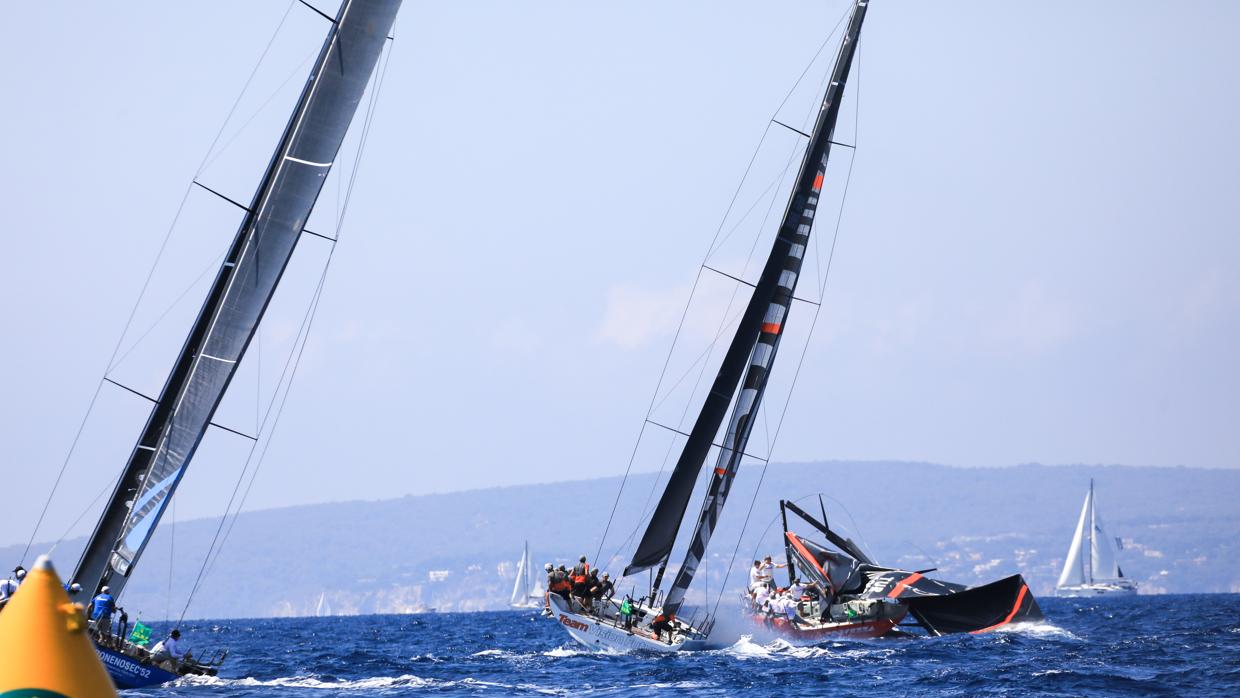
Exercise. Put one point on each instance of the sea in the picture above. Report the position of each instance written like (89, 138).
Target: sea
(1179, 645)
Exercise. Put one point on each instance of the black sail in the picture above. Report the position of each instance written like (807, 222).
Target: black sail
(243, 287)
(751, 355)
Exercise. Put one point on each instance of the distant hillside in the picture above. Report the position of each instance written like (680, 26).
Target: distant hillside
(1180, 527)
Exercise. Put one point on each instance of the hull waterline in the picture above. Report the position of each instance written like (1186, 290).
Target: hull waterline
(127, 672)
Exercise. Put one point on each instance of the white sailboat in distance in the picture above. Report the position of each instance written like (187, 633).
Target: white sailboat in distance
(525, 595)
(1092, 568)
(324, 607)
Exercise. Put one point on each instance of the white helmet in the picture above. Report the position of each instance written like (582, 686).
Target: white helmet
(548, 567)
(104, 590)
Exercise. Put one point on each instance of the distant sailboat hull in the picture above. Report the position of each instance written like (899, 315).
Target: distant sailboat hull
(1121, 587)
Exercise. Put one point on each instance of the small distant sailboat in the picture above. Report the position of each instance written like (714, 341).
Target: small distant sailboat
(525, 595)
(324, 607)
(1096, 572)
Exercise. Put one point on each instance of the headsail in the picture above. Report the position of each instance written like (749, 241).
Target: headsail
(521, 588)
(774, 294)
(243, 287)
(1074, 567)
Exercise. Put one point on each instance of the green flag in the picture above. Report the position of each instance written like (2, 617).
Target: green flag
(141, 635)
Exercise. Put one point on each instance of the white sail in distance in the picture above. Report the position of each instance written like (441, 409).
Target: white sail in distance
(521, 588)
(1074, 567)
(1103, 563)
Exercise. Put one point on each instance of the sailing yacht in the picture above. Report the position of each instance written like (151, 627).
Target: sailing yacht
(523, 594)
(840, 592)
(1092, 568)
(324, 607)
(272, 224)
(652, 622)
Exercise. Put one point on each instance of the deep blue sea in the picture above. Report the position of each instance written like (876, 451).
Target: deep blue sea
(1153, 645)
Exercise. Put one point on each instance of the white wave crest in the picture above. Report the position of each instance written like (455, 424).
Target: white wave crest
(1040, 628)
(311, 681)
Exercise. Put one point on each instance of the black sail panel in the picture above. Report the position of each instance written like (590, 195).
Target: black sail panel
(243, 287)
(782, 272)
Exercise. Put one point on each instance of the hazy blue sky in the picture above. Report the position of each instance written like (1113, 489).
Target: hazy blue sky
(1038, 259)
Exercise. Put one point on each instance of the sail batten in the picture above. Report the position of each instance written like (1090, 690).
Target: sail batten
(243, 288)
(750, 357)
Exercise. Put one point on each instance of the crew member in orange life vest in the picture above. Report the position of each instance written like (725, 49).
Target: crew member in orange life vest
(560, 584)
(581, 570)
(662, 622)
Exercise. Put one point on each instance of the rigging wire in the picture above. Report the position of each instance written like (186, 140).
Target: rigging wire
(294, 361)
(137, 303)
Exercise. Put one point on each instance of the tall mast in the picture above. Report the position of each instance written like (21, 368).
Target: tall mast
(751, 355)
(1089, 570)
(243, 287)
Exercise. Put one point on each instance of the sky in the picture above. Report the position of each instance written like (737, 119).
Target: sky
(1036, 260)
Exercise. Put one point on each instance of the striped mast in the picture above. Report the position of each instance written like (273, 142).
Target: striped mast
(784, 269)
(243, 287)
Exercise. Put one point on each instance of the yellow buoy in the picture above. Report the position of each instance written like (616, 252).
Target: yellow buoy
(45, 650)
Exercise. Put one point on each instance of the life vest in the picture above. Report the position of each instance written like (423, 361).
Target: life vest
(581, 573)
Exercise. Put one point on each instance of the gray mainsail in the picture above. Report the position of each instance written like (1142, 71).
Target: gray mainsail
(756, 342)
(243, 287)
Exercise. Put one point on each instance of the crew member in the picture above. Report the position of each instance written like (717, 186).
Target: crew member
(626, 612)
(755, 578)
(583, 589)
(9, 586)
(101, 609)
(168, 650)
(580, 571)
(550, 570)
(559, 583)
(768, 570)
(602, 588)
(662, 622)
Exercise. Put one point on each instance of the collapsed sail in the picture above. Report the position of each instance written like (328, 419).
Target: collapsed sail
(774, 294)
(242, 289)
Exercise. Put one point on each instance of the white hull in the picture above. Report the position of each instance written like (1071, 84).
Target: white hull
(603, 635)
(1083, 591)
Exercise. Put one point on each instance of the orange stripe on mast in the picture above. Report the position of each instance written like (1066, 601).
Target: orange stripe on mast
(818, 182)
(770, 327)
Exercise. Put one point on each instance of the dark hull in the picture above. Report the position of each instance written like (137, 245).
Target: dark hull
(977, 609)
(127, 672)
